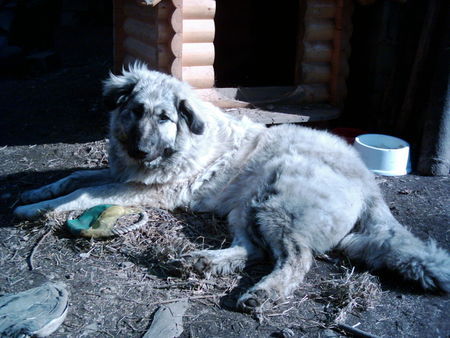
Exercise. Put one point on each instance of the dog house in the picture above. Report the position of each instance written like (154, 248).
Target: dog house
(288, 60)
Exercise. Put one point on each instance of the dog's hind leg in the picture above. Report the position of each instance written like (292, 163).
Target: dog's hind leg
(291, 229)
(76, 180)
(290, 268)
(234, 258)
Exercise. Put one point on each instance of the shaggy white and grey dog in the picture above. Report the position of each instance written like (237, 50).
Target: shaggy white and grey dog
(288, 191)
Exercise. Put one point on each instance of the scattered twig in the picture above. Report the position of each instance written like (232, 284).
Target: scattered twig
(280, 313)
(33, 251)
(132, 327)
(187, 298)
(355, 332)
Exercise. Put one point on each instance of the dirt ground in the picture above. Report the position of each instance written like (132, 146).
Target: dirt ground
(52, 124)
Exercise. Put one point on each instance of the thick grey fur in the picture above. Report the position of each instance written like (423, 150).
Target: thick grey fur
(288, 191)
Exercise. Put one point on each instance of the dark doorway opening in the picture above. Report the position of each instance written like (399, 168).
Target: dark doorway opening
(255, 43)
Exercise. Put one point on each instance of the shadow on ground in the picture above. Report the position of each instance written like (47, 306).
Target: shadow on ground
(53, 123)
(64, 104)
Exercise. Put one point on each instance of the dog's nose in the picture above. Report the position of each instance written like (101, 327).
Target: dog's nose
(168, 152)
(138, 154)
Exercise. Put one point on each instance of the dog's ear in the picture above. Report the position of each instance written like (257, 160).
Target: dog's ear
(196, 126)
(117, 89)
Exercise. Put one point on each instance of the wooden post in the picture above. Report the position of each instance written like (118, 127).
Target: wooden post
(118, 17)
(339, 63)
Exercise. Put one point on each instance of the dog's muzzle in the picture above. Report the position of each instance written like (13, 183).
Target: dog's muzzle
(168, 152)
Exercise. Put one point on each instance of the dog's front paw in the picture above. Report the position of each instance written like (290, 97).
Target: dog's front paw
(215, 262)
(199, 262)
(28, 211)
(253, 300)
(35, 195)
(259, 299)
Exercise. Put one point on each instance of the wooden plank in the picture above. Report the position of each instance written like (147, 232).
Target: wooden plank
(286, 114)
(217, 98)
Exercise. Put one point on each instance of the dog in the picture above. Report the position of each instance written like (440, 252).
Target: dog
(287, 191)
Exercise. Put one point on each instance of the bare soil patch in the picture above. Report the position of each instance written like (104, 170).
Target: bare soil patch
(52, 125)
(117, 284)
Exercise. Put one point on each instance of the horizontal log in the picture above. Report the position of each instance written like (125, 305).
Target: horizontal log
(176, 45)
(198, 76)
(317, 51)
(149, 13)
(176, 68)
(199, 9)
(197, 54)
(139, 49)
(315, 93)
(156, 56)
(165, 10)
(165, 31)
(320, 9)
(148, 33)
(176, 20)
(315, 73)
(129, 59)
(319, 30)
(146, 13)
(198, 30)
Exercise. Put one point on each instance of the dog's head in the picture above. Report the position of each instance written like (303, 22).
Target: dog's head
(149, 112)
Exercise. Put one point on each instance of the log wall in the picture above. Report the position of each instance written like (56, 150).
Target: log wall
(324, 49)
(143, 33)
(177, 37)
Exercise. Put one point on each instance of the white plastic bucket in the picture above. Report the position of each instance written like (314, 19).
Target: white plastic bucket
(383, 154)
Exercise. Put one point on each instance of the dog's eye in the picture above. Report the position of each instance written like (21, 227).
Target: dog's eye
(163, 118)
(138, 111)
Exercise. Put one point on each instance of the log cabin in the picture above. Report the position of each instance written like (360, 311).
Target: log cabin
(288, 62)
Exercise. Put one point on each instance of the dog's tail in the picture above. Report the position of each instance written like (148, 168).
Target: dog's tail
(380, 241)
